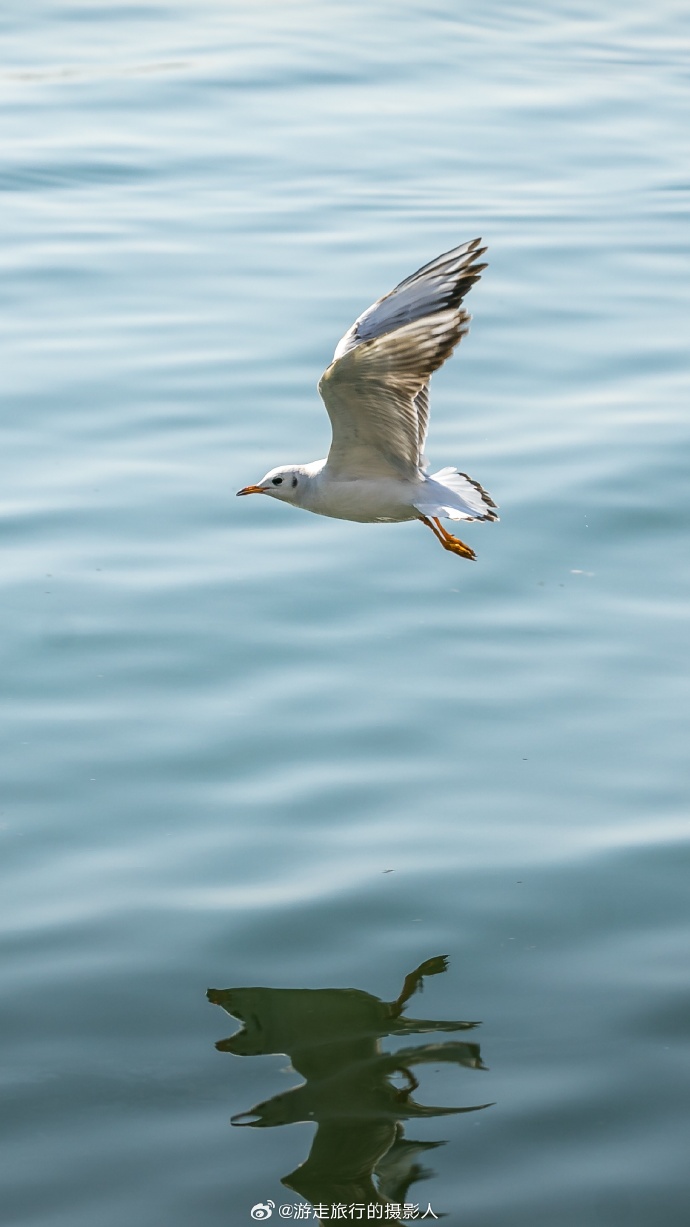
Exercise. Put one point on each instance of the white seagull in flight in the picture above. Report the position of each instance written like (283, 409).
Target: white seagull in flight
(376, 392)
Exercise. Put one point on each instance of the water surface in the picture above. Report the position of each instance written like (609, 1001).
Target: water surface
(249, 748)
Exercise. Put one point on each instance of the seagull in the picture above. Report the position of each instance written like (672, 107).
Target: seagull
(376, 393)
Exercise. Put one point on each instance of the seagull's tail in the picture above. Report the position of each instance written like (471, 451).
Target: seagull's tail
(456, 497)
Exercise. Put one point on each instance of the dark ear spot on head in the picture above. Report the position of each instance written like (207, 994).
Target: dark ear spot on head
(294, 482)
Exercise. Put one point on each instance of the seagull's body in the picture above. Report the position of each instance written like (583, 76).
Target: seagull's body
(376, 392)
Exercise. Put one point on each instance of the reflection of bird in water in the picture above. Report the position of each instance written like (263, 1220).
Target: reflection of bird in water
(400, 1166)
(359, 1153)
(376, 392)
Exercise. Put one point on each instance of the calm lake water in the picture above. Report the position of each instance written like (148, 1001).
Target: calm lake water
(245, 748)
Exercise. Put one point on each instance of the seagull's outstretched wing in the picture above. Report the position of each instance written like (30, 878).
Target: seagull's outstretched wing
(376, 389)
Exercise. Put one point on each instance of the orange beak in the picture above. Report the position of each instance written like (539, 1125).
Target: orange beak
(251, 490)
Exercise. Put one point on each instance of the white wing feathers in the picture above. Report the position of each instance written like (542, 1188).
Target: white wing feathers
(375, 390)
(370, 395)
(443, 282)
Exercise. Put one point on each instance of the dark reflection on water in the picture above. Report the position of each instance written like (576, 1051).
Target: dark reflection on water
(359, 1154)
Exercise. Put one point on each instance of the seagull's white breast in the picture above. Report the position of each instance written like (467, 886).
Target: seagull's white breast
(362, 499)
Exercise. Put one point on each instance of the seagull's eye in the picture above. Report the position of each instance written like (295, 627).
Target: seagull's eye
(277, 481)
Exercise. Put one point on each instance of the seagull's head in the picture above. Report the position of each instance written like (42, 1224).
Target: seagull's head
(285, 483)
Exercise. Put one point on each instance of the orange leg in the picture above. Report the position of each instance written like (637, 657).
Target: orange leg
(448, 541)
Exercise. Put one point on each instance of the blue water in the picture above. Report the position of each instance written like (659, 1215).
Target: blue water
(245, 747)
